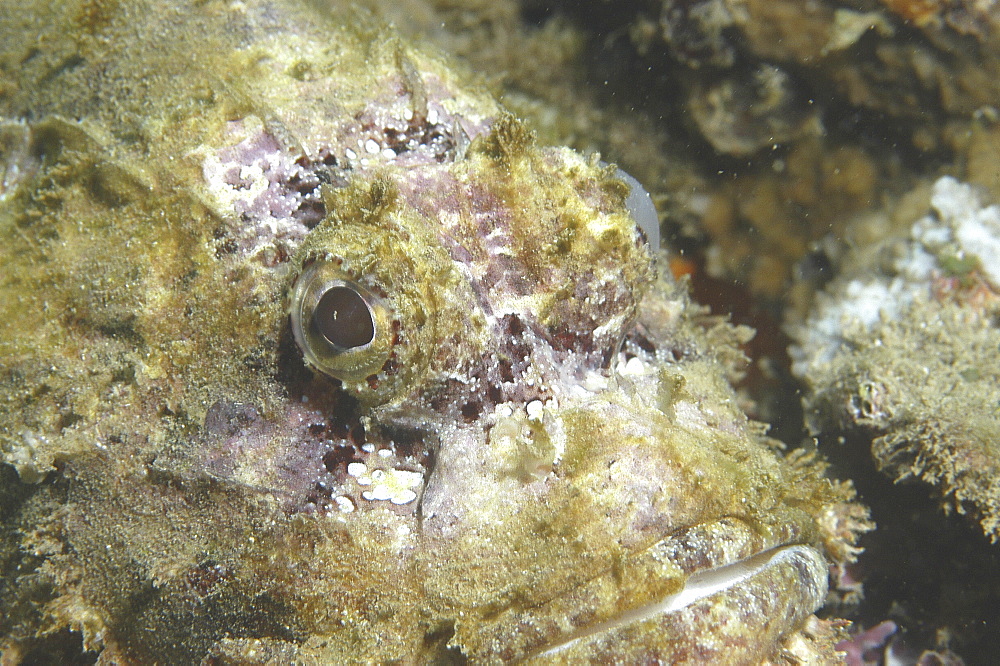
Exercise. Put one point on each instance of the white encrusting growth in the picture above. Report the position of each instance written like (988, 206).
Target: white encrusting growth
(976, 227)
(534, 409)
(344, 504)
(960, 227)
(393, 485)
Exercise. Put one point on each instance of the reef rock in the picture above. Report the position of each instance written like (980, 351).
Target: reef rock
(904, 346)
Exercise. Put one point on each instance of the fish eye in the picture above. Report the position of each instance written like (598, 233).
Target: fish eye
(362, 310)
(343, 317)
(640, 206)
(340, 325)
(367, 294)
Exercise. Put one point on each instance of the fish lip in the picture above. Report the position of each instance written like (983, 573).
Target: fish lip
(699, 586)
(722, 582)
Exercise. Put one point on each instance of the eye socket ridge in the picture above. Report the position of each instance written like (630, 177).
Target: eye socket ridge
(359, 308)
(344, 317)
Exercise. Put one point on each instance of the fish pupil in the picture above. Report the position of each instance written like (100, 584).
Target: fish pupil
(343, 318)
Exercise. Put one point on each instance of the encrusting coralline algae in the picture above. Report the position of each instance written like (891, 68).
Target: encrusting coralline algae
(311, 353)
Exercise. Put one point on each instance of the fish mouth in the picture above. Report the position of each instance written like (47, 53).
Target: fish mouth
(705, 589)
(717, 593)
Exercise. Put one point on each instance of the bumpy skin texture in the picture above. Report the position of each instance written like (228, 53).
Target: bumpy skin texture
(542, 441)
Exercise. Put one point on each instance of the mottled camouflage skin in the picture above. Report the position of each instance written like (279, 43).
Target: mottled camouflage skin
(539, 444)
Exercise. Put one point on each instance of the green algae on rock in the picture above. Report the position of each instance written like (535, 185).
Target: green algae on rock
(530, 451)
(903, 347)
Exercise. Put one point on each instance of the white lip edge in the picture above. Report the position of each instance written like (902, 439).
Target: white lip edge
(698, 586)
